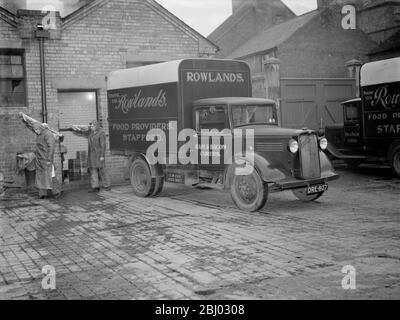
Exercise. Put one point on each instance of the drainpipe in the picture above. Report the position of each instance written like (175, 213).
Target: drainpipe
(41, 35)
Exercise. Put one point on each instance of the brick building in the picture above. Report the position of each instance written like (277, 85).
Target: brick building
(308, 63)
(79, 52)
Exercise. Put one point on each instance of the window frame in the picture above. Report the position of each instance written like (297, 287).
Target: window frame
(274, 109)
(197, 120)
(22, 53)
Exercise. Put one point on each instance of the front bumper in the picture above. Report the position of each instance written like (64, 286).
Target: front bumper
(291, 183)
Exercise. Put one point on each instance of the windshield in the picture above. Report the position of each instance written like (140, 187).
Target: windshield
(254, 114)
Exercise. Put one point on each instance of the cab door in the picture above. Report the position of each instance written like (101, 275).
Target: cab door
(353, 124)
(214, 137)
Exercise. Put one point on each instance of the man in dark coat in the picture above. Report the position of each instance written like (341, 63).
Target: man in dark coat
(44, 161)
(96, 155)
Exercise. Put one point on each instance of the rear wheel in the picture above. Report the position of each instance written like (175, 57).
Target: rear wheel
(249, 192)
(143, 184)
(159, 185)
(301, 194)
(395, 161)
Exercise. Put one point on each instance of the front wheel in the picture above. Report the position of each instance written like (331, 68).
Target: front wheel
(301, 194)
(249, 192)
(143, 184)
(395, 161)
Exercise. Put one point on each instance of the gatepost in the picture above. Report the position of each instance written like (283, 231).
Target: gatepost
(272, 82)
(353, 68)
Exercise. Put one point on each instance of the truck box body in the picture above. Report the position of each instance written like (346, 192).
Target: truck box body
(380, 89)
(150, 97)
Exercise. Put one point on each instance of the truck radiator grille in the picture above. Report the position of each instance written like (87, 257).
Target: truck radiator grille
(269, 147)
(309, 157)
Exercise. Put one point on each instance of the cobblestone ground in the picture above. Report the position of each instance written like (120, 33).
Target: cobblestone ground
(194, 244)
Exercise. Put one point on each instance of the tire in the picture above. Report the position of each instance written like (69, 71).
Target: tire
(143, 184)
(301, 194)
(159, 185)
(249, 193)
(395, 161)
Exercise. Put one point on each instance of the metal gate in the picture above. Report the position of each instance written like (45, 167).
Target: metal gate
(313, 103)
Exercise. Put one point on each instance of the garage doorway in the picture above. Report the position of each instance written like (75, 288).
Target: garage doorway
(76, 108)
(312, 102)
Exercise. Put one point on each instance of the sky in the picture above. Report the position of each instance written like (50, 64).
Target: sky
(202, 15)
(206, 15)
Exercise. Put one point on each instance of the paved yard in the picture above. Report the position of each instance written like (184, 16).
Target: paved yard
(194, 244)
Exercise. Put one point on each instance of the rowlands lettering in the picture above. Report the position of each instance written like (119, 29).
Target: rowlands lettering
(139, 102)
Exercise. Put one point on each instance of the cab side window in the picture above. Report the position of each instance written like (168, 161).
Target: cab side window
(352, 111)
(211, 117)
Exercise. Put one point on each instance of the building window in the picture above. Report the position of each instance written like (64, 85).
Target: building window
(12, 78)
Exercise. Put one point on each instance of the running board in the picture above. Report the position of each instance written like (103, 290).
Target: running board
(209, 186)
(338, 154)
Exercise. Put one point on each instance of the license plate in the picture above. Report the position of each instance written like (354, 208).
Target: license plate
(317, 188)
(175, 178)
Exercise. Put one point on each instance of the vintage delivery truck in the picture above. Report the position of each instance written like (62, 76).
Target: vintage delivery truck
(194, 122)
(371, 128)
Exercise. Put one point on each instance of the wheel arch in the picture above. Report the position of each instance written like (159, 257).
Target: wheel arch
(156, 170)
(261, 165)
(325, 163)
(392, 147)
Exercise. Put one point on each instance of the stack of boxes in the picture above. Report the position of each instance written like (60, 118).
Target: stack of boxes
(82, 157)
(78, 168)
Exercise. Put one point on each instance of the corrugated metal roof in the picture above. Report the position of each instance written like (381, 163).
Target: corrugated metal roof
(272, 37)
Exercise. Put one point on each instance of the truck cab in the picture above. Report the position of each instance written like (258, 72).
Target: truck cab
(284, 159)
(346, 139)
(352, 123)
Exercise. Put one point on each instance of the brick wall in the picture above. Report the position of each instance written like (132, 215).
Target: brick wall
(14, 137)
(321, 49)
(86, 52)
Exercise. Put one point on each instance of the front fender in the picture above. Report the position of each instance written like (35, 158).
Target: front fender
(326, 165)
(261, 165)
